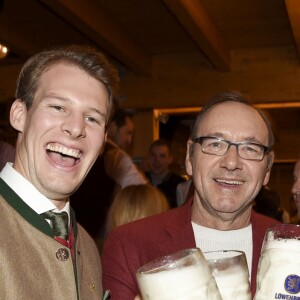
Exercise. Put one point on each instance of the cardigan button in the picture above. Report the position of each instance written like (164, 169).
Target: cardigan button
(62, 254)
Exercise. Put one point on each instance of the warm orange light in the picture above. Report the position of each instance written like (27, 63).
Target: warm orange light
(3, 51)
(277, 105)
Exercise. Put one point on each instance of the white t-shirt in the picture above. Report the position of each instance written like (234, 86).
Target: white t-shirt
(208, 239)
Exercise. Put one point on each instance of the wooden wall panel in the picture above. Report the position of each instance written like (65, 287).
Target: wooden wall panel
(265, 75)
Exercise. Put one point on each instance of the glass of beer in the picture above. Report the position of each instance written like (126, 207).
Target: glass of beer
(184, 275)
(278, 274)
(230, 270)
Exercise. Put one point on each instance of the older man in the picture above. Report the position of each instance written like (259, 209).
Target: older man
(64, 100)
(229, 157)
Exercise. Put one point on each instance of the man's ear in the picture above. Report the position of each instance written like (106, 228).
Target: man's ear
(270, 160)
(18, 114)
(188, 158)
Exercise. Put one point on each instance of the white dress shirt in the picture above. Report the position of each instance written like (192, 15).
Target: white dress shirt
(28, 193)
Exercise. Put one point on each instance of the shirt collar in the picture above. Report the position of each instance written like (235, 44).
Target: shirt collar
(27, 192)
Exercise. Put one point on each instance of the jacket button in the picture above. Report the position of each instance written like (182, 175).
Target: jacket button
(62, 254)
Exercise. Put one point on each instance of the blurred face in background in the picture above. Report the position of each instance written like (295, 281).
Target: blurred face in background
(296, 186)
(123, 135)
(160, 159)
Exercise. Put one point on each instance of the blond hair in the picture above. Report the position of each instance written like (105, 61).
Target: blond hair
(135, 202)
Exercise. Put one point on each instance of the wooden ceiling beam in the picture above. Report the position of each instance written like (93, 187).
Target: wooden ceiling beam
(293, 9)
(92, 21)
(197, 23)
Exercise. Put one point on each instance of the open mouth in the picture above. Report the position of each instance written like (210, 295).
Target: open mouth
(62, 155)
(229, 182)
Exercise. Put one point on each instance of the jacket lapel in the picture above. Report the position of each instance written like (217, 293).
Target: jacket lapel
(178, 229)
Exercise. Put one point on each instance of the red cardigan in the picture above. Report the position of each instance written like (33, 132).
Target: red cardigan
(132, 245)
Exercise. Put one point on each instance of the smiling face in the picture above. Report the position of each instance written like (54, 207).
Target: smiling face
(160, 158)
(225, 186)
(63, 132)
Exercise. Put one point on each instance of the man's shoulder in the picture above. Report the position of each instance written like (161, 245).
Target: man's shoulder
(156, 221)
(110, 146)
(148, 238)
(113, 151)
(156, 225)
(261, 222)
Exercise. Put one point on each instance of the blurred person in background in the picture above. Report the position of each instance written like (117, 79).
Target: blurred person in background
(296, 192)
(267, 202)
(184, 191)
(135, 202)
(160, 175)
(7, 153)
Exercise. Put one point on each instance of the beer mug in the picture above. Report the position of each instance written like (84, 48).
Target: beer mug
(278, 274)
(230, 269)
(184, 275)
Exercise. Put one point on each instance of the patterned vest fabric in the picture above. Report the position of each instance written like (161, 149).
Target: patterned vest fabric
(34, 265)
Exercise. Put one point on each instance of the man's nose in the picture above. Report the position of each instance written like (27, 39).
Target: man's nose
(231, 159)
(74, 125)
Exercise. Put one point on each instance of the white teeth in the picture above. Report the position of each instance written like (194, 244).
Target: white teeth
(63, 150)
(233, 182)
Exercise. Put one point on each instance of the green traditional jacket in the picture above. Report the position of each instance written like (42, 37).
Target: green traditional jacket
(33, 265)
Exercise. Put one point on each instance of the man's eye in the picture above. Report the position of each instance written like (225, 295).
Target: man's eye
(57, 107)
(252, 149)
(98, 121)
(91, 119)
(214, 145)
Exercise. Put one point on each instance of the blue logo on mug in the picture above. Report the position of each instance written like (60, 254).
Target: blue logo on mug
(292, 284)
